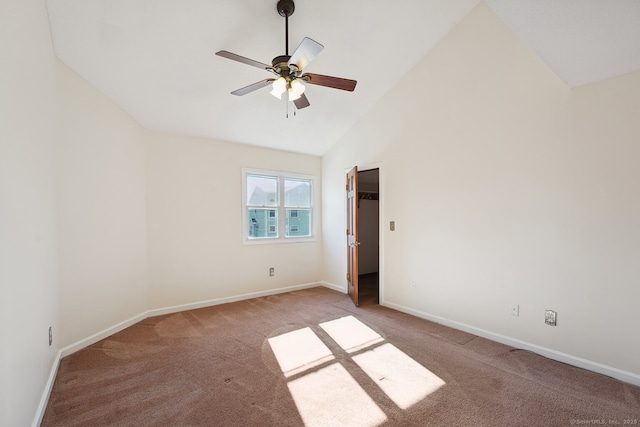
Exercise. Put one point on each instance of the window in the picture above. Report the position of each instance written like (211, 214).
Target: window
(277, 207)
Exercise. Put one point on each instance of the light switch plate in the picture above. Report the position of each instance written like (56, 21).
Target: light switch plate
(515, 310)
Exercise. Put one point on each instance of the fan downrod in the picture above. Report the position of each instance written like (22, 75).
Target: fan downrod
(286, 8)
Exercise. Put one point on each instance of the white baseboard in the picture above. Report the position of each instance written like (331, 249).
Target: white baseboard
(334, 287)
(42, 406)
(626, 376)
(225, 300)
(79, 345)
(86, 342)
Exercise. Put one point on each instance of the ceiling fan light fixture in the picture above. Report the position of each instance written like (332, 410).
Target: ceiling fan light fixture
(296, 89)
(279, 86)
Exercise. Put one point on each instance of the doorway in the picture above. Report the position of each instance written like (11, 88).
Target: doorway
(369, 237)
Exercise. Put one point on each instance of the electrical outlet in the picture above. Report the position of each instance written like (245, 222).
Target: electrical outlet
(413, 286)
(50, 336)
(272, 271)
(392, 225)
(550, 317)
(515, 310)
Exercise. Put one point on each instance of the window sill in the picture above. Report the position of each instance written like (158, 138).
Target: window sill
(267, 241)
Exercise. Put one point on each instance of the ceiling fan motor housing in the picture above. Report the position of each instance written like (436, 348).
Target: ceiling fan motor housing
(278, 61)
(282, 67)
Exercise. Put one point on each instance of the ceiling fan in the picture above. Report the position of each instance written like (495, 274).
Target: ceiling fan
(289, 69)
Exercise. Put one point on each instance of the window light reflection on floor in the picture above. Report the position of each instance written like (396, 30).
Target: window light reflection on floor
(403, 379)
(329, 395)
(299, 350)
(351, 334)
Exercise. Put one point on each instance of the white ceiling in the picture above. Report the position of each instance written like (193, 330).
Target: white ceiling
(155, 58)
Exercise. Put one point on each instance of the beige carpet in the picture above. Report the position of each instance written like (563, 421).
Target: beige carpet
(311, 358)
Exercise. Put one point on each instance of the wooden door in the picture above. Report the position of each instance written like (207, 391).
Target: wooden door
(352, 234)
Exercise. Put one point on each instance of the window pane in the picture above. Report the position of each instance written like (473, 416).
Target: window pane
(263, 223)
(262, 190)
(297, 193)
(298, 223)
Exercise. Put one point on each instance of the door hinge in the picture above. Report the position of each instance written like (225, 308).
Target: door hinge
(347, 277)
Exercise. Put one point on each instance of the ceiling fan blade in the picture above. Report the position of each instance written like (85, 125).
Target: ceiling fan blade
(301, 102)
(329, 81)
(234, 57)
(305, 52)
(248, 89)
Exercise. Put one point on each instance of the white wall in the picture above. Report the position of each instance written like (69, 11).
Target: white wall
(28, 285)
(194, 207)
(101, 210)
(506, 187)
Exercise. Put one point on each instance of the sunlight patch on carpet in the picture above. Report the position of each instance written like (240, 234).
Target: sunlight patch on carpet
(299, 350)
(331, 397)
(351, 334)
(403, 380)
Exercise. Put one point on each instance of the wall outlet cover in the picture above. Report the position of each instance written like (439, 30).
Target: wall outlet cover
(550, 317)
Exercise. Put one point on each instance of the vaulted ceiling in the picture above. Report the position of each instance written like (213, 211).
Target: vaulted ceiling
(155, 58)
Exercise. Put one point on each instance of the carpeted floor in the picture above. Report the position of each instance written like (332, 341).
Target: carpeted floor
(312, 358)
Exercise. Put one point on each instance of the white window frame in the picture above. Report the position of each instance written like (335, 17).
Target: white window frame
(280, 208)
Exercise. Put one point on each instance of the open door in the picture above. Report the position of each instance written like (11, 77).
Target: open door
(352, 234)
